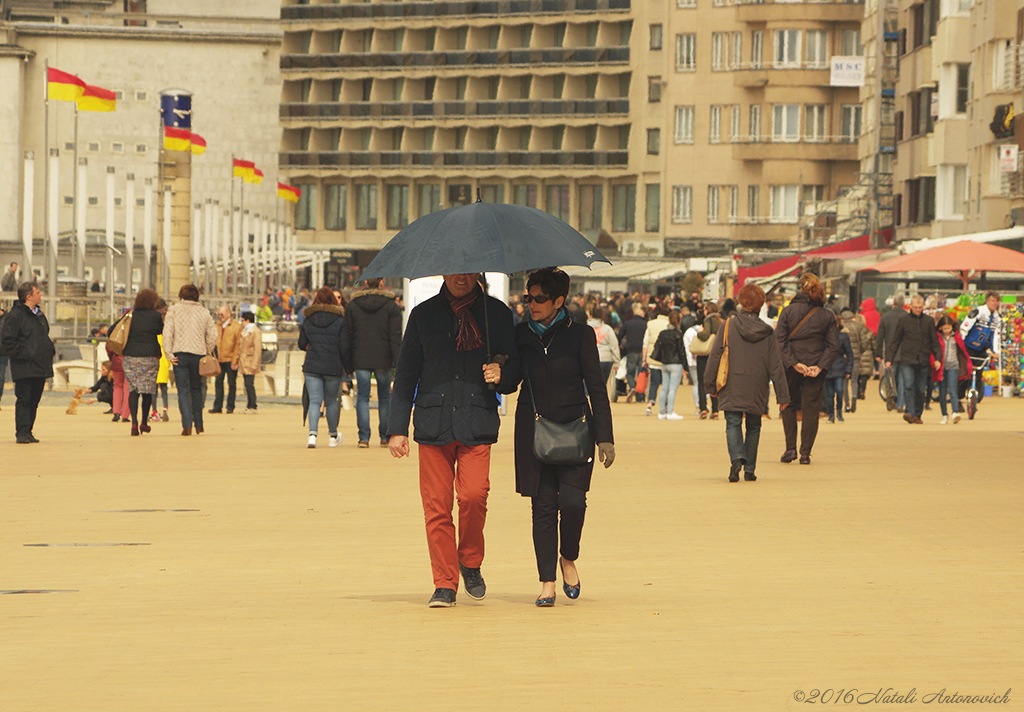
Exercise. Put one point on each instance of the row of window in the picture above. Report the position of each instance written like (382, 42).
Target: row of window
(69, 200)
(460, 138)
(786, 120)
(115, 147)
(784, 203)
(793, 48)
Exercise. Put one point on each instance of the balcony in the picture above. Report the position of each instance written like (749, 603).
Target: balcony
(829, 148)
(449, 109)
(776, 12)
(556, 56)
(803, 74)
(462, 159)
(485, 8)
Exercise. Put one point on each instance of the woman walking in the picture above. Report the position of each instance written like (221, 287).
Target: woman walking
(670, 351)
(120, 404)
(754, 359)
(700, 346)
(607, 342)
(839, 377)
(189, 334)
(324, 338)
(955, 367)
(561, 367)
(809, 339)
(142, 357)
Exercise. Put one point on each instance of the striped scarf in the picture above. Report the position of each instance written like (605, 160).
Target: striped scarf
(469, 336)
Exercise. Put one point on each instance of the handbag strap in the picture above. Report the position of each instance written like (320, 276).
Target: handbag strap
(802, 322)
(725, 337)
(529, 383)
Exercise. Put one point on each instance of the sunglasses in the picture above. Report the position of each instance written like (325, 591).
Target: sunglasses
(540, 298)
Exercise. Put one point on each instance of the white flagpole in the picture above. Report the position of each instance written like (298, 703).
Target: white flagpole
(129, 232)
(80, 204)
(246, 250)
(211, 288)
(197, 241)
(26, 218)
(167, 240)
(147, 232)
(236, 244)
(54, 190)
(225, 242)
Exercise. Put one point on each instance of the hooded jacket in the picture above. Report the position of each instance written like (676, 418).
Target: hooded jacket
(26, 338)
(871, 315)
(374, 329)
(754, 359)
(324, 338)
(816, 343)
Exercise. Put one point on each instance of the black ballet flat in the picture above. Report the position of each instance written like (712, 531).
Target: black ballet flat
(572, 592)
(545, 602)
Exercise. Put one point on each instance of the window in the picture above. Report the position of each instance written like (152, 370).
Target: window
(335, 206)
(817, 48)
(117, 147)
(141, 148)
(654, 85)
(525, 195)
(815, 122)
(397, 207)
(366, 207)
(734, 203)
(558, 201)
(717, 51)
(624, 138)
(591, 207)
(786, 123)
(94, 200)
(753, 202)
(653, 142)
(685, 4)
(94, 146)
(656, 36)
(686, 53)
(787, 48)
(963, 78)
(430, 198)
(117, 202)
(952, 186)
(921, 119)
(623, 208)
(492, 193)
(924, 19)
(69, 200)
(682, 204)
(684, 124)
(459, 194)
(756, 49)
(69, 146)
(141, 96)
(920, 194)
(734, 123)
(755, 122)
(784, 204)
(715, 135)
(652, 213)
(813, 194)
(851, 44)
(305, 209)
(713, 204)
(736, 51)
(140, 202)
(849, 122)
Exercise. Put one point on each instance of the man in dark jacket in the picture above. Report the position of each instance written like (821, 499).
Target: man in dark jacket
(3, 354)
(375, 332)
(452, 353)
(26, 338)
(914, 339)
(631, 344)
(886, 329)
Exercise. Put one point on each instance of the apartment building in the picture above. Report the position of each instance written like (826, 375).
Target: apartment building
(674, 127)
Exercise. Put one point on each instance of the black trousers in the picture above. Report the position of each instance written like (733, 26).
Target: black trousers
(250, 390)
(232, 376)
(804, 395)
(27, 392)
(554, 497)
(702, 394)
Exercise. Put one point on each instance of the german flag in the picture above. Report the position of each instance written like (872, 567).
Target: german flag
(177, 139)
(63, 86)
(255, 177)
(242, 169)
(198, 144)
(97, 99)
(288, 192)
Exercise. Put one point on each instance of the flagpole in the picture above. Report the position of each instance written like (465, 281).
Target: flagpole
(49, 253)
(232, 236)
(80, 262)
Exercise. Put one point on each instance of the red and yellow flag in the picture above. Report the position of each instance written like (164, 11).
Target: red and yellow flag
(288, 192)
(63, 86)
(242, 169)
(97, 99)
(255, 177)
(198, 144)
(177, 139)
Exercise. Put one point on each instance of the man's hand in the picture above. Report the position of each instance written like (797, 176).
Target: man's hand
(606, 454)
(801, 369)
(234, 367)
(888, 364)
(782, 406)
(492, 373)
(813, 371)
(399, 446)
(938, 365)
(173, 360)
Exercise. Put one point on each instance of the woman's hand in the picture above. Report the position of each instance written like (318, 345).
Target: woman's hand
(606, 454)
(492, 373)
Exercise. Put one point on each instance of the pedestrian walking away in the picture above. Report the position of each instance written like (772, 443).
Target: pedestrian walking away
(838, 380)
(324, 338)
(631, 343)
(141, 361)
(447, 367)
(883, 335)
(189, 334)
(375, 332)
(229, 338)
(754, 359)
(669, 350)
(560, 366)
(250, 359)
(25, 336)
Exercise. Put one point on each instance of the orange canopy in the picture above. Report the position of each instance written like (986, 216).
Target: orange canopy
(965, 259)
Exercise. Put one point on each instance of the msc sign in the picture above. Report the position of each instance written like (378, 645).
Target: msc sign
(847, 72)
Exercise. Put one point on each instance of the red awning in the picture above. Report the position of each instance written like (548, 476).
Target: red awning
(789, 264)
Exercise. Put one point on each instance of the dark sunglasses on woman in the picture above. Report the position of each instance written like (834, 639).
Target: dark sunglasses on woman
(540, 298)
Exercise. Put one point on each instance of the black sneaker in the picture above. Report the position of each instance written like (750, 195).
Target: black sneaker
(442, 598)
(475, 586)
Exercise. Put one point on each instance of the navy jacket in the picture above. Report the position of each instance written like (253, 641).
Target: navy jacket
(844, 364)
(453, 403)
(324, 338)
(26, 338)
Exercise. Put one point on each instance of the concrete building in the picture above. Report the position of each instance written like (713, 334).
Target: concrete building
(226, 53)
(675, 127)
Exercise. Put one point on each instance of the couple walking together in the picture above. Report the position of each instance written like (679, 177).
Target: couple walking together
(459, 350)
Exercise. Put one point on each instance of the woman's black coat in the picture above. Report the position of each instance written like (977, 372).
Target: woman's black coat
(558, 377)
(324, 338)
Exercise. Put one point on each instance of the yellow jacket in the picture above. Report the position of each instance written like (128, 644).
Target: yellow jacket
(229, 339)
(251, 351)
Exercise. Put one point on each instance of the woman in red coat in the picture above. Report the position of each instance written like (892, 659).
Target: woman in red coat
(955, 366)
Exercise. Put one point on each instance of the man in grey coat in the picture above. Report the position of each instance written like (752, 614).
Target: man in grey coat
(26, 339)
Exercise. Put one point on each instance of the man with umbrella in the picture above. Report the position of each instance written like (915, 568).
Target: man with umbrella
(445, 368)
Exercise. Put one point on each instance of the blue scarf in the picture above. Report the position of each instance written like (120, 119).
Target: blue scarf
(539, 328)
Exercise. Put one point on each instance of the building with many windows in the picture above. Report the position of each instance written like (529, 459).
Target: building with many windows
(675, 127)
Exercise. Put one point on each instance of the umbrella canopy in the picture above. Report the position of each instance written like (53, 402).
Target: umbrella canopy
(482, 237)
(965, 259)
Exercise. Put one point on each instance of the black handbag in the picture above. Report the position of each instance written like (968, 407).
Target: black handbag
(554, 443)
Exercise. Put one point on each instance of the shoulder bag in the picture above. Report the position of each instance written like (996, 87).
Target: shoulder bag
(723, 365)
(554, 443)
(118, 338)
(702, 347)
(209, 366)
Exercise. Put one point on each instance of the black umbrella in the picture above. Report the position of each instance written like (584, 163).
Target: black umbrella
(482, 237)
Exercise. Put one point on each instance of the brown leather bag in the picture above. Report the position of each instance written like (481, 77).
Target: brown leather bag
(723, 365)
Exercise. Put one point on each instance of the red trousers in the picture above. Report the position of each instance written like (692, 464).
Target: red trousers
(121, 388)
(447, 471)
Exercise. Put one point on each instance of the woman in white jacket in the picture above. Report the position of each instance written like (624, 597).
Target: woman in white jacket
(691, 364)
(607, 342)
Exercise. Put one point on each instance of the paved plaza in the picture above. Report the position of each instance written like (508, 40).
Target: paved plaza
(238, 570)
